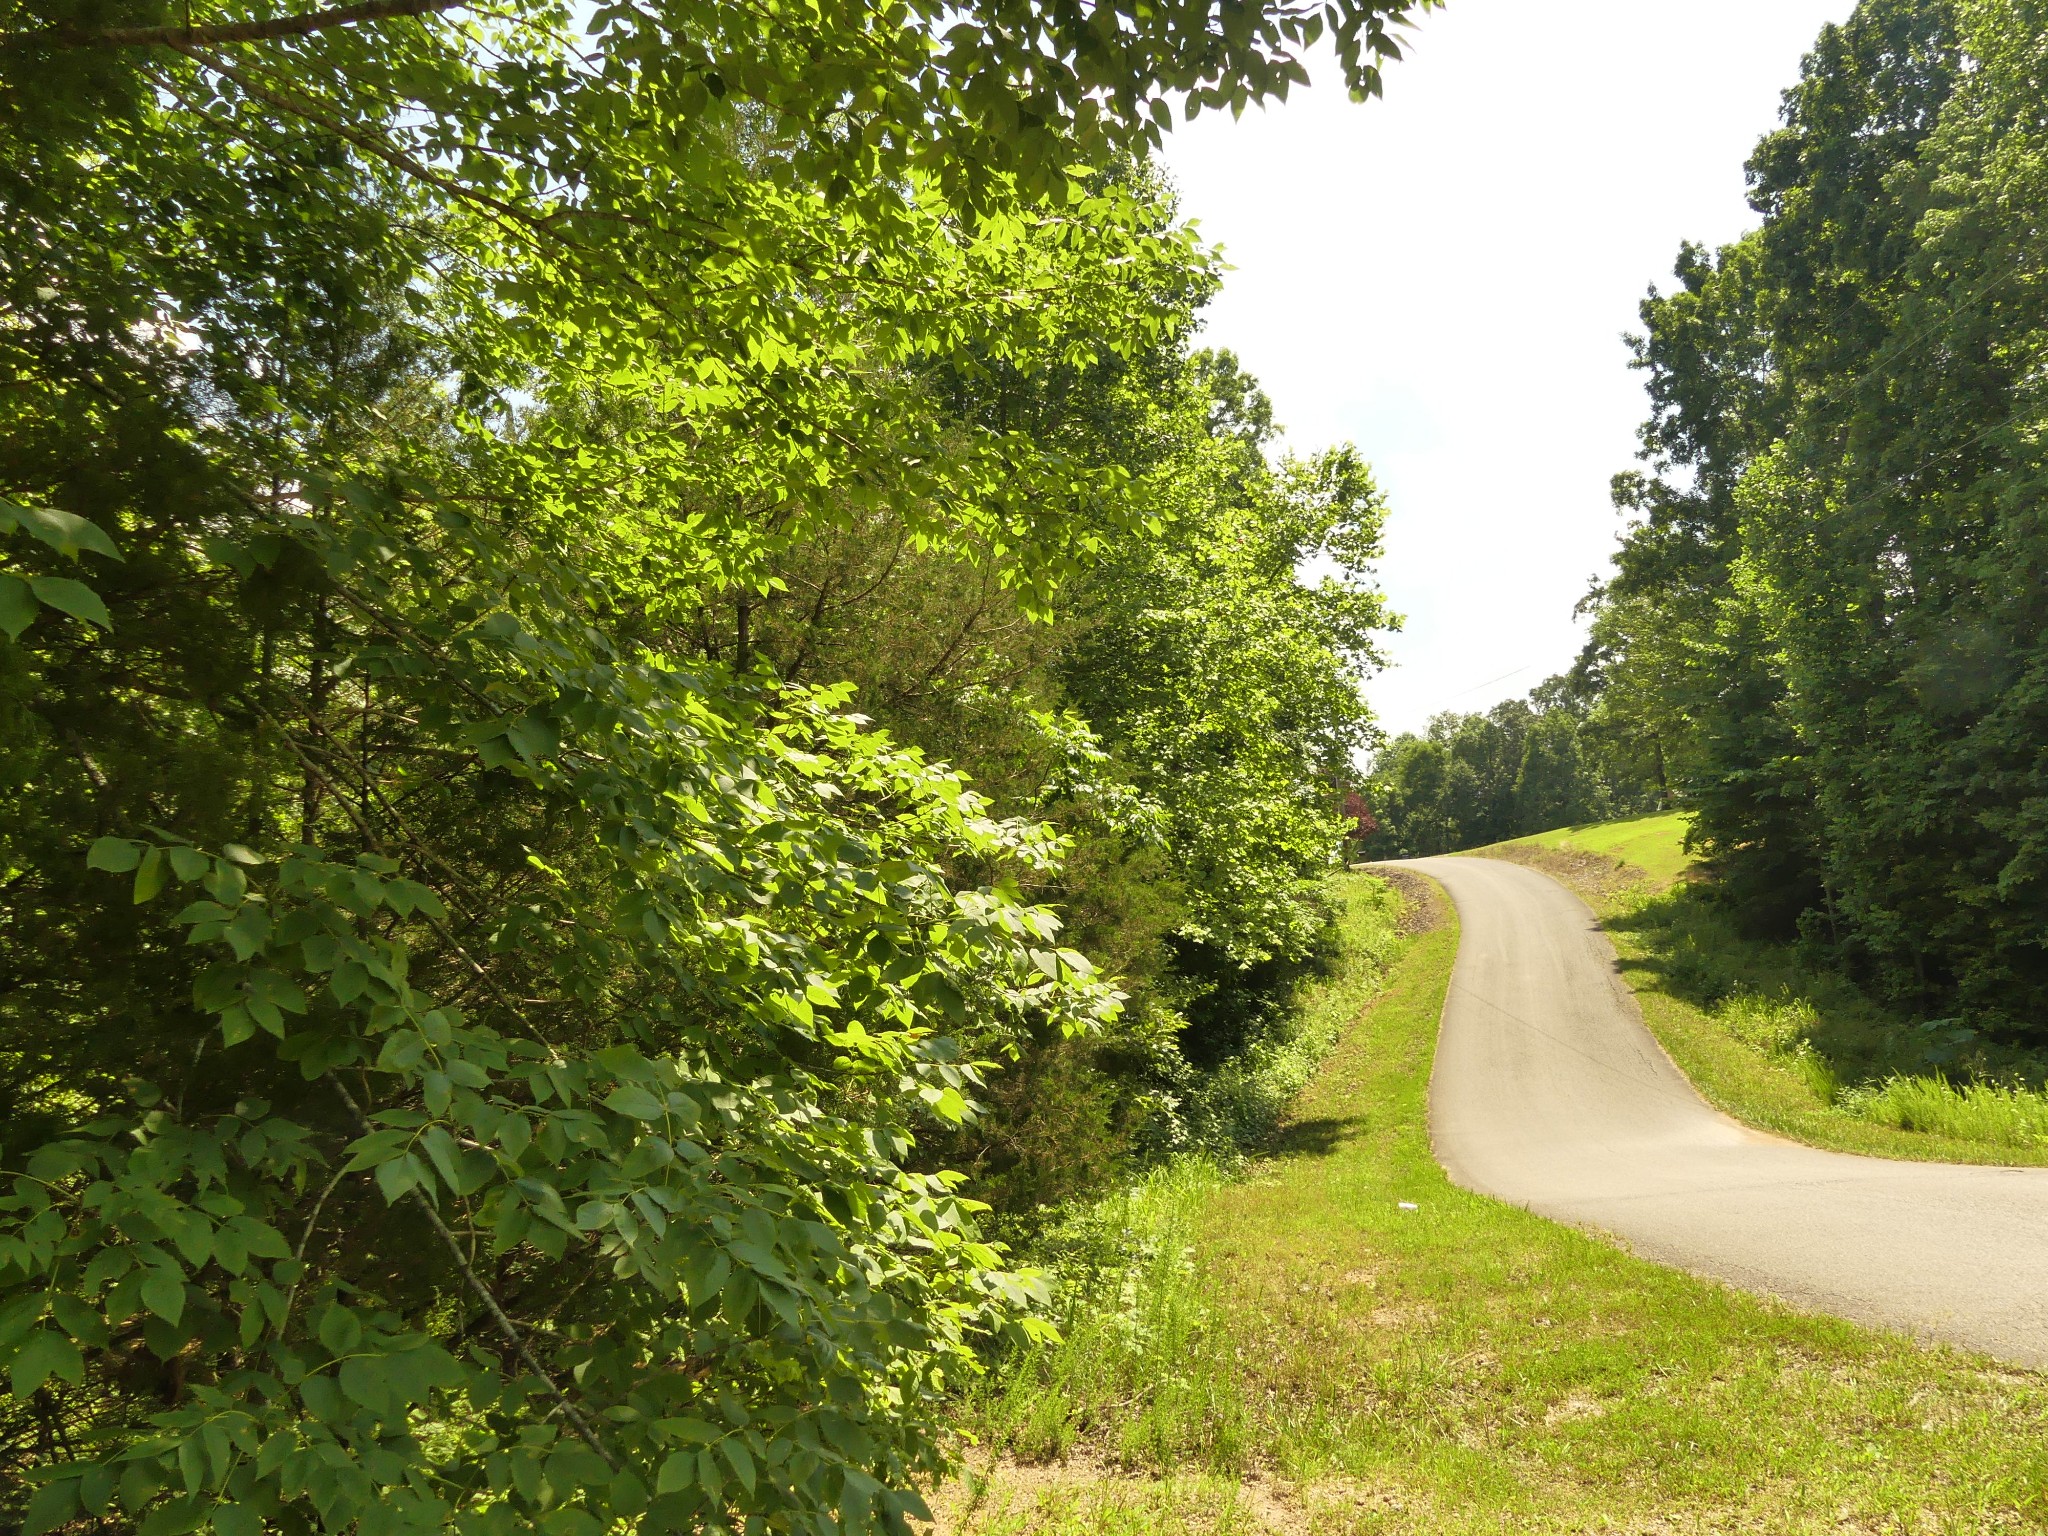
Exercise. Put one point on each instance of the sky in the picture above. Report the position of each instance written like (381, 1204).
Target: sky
(1444, 277)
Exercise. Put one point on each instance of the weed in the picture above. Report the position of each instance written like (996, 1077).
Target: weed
(2005, 1115)
(1133, 1314)
(1775, 1024)
(1241, 1104)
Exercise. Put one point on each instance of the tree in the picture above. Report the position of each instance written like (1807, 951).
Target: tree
(1837, 625)
(466, 1035)
(1555, 786)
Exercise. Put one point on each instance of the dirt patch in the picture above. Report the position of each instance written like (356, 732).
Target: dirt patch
(1067, 1498)
(1573, 1409)
(1422, 903)
(1078, 1493)
(1274, 1506)
(1596, 877)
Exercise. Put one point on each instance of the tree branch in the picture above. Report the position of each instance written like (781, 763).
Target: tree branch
(506, 1328)
(235, 31)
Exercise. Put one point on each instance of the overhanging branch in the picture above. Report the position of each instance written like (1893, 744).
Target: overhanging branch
(236, 31)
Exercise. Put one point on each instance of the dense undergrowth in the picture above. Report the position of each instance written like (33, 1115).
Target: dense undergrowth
(1128, 1302)
(639, 662)
(1124, 1297)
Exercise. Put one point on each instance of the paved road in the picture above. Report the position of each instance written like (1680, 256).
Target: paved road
(1550, 1093)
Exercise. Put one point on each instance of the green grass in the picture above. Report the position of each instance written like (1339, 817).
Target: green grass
(1985, 1112)
(1776, 1042)
(1653, 844)
(1297, 1351)
(1242, 1102)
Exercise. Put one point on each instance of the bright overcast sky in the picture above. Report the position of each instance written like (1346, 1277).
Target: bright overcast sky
(1443, 278)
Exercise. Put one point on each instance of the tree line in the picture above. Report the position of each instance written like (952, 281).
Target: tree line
(1528, 765)
(1828, 612)
(643, 668)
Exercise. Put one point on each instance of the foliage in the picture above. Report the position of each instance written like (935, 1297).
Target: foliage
(1187, 718)
(1829, 612)
(2005, 1115)
(469, 1019)
(1229, 686)
(1131, 1309)
(1524, 766)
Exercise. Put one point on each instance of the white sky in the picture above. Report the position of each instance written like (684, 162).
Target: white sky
(1443, 278)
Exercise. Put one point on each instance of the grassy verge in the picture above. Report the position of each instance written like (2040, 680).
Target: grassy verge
(1775, 1043)
(1343, 1342)
(1653, 845)
(1243, 1102)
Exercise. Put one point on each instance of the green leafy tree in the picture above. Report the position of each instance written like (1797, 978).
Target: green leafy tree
(1835, 625)
(466, 1035)
(1555, 786)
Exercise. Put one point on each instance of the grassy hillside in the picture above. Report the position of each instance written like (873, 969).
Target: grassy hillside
(1778, 1042)
(1653, 844)
(1343, 1342)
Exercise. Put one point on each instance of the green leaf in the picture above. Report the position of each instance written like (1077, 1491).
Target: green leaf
(740, 1459)
(18, 606)
(66, 532)
(175, 1517)
(710, 1474)
(678, 1472)
(96, 1489)
(150, 875)
(401, 1175)
(72, 597)
(79, 1320)
(340, 1330)
(237, 1520)
(363, 1378)
(55, 1504)
(116, 855)
(163, 1292)
(533, 737)
(193, 1235)
(515, 1134)
(635, 1101)
(47, 1353)
(230, 1250)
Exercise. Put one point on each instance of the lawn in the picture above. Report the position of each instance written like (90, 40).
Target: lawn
(1341, 1341)
(1653, 844)
(1780, 1043)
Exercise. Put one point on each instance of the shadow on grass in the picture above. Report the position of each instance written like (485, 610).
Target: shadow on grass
(1317, 1138)
(1688, 946)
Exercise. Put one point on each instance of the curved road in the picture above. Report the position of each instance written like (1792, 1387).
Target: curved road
(1550, 1093)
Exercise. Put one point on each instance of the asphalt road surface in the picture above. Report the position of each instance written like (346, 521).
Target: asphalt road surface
(1550, 1093)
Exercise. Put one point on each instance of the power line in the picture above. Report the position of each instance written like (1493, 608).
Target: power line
(1487, 684)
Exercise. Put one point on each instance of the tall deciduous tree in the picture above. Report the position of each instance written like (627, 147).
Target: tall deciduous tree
(465, 1034)
(1837, 624)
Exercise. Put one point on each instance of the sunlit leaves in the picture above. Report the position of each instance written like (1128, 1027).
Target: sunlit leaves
(536, 1016)
(70, 536)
